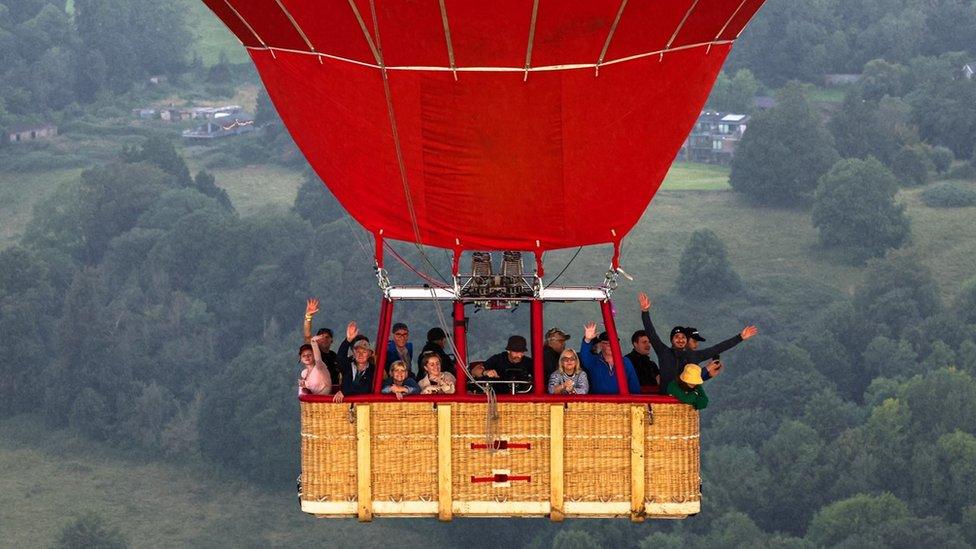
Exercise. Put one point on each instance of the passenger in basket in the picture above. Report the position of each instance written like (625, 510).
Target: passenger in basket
(569, 379)
(436, 342)
(555, 345)
(314, 379)
(513, 364)
(325, 344)
(478, 373)
(714, 366)
(400, 383)
(688, 387)
(357, 371)
(435, 381)
(597, 358)
(670, 357)
(399, 348)
(647, 372)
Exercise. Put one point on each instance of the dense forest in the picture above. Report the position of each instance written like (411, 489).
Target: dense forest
(142, 310)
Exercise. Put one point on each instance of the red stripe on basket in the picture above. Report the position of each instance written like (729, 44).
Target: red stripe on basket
(502, 478)
(503, 445)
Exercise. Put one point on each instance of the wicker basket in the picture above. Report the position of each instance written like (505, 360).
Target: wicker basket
(446, 459)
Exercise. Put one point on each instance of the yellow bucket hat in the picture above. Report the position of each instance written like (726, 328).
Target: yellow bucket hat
(691, 375)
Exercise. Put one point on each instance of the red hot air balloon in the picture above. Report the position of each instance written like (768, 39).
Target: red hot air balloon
(521, 125)
(490, 125)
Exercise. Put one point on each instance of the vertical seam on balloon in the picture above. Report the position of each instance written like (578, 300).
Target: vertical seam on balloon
(447, 38)
(528, 49)
(393, 124)
(726, 25)
(299, 28)
(681, 25)
(613, 29)
(249, 27)
(369, 39)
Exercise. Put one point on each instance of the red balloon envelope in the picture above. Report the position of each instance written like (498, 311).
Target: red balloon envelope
(510, 124)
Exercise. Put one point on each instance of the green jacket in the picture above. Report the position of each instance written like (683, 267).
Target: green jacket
(696, 397)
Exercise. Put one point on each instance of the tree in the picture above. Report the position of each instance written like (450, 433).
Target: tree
(881, 78)
(734, 94)
(855, 209)
(889, 358)
(90, 531)
(859, 131)
(315, 203)
(705, 270)
(794, 457)
(897, 292)
(206, 184)
(247, 413)
(965, 303)
(574, 539)
(160, 152)
(784, 153)
(841, 520)
(913, 163)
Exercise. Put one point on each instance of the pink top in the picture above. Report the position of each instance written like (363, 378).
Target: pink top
(317, 380)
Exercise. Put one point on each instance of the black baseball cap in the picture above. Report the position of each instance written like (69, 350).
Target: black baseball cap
(676, 330)
(692, 333)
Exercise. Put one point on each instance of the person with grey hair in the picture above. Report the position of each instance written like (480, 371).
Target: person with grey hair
(357, 370)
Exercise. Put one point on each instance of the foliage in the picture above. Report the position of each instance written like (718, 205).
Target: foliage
(854, 208)
(859, 130)
(315, 203)
(90, 531)
(949, 195)
(913, 164)
(735, 93)
(248, 404)
(775, 163)
(855, 516)
(705, 269)
(897, 292)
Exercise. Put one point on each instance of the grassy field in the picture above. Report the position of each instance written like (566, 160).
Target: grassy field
(212, 37)
(20, 192)
(255, 188)
(50, 477)
(687, 176)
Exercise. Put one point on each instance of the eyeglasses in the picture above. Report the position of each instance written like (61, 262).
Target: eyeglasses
(568, 359)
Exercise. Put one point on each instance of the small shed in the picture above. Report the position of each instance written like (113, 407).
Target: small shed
(20, 134)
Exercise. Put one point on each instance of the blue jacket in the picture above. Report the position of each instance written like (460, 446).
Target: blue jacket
(392, 356)
(363, 382)
(603, 380)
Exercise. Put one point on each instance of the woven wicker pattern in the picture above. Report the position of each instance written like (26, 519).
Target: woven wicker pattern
(597, 452)
(328, 453)
(673, 473)
(404, 451)
(520, 423)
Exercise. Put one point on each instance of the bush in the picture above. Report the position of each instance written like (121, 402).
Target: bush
(91, 531)
(705, 269)
(964, 170)
(949, 195)
(855, 209)
(942, 158)
(912, 165)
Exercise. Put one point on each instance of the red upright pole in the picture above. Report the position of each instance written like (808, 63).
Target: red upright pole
(382, 335)
(460, 338)
(618, 357)
(539, 387)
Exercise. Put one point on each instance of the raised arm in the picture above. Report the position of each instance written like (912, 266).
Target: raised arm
(660, 347)
(587, 358)
(719, 348)
(319, 381)
(311, 307)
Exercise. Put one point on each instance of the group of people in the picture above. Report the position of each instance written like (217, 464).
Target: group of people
(678, 370)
